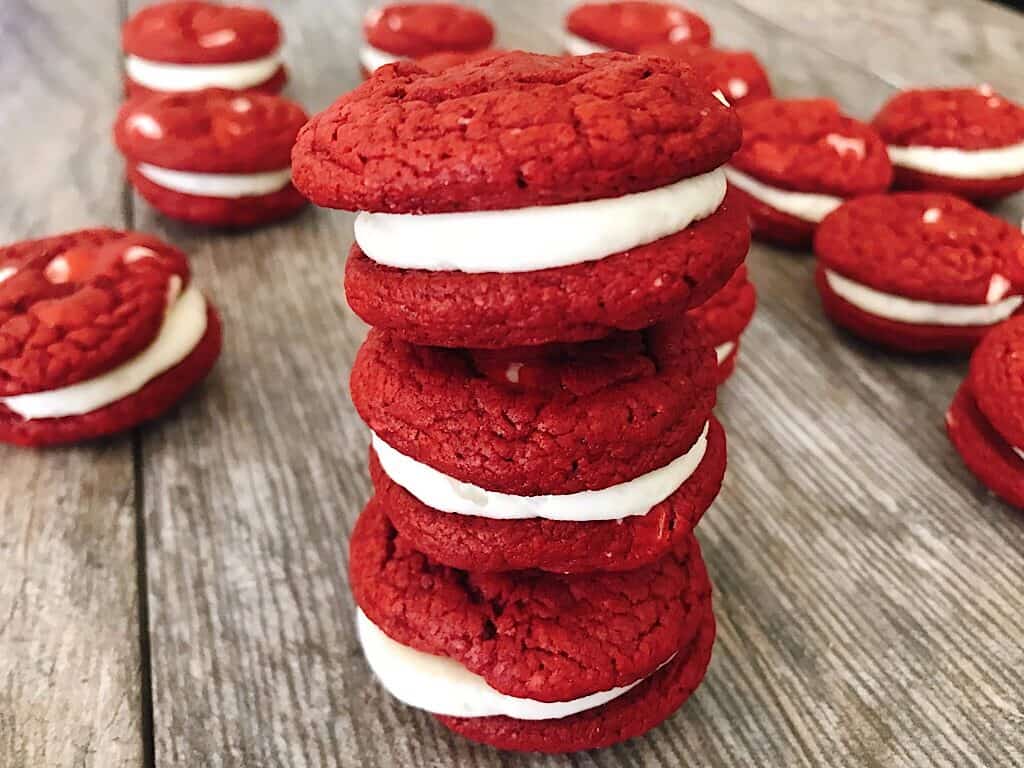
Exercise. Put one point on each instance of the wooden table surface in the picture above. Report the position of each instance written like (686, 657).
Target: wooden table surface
(179, 596)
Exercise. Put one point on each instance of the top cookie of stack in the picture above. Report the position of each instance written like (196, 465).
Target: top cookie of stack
(522, 199)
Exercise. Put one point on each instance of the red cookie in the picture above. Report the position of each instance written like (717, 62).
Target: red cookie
(737, 74)
(438, 62)
(799, 160)
(724, 317)
(77, 306)
(918, 272)
(535, 635)
(188, 46)
(629, 26)
(215, 157)
(965, 141)
(408, 30)
(986, 420)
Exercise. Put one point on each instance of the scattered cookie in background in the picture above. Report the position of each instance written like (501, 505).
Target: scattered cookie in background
(411, 30)
(799, 160)
(918, 272)
(102, 330)
(737, 74)
(215, 158)
(724, 317)
(630, 25)
(966, 141)
(986, 420)
(188, 46)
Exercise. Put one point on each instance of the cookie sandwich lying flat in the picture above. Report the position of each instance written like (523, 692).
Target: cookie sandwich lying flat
(629, 25)
(737, 74)
(409, 30)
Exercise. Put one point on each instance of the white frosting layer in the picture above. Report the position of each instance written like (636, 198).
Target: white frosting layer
(955, 163)
(445, 687)
(227, 185)
(803, 205)
(161, 76)
(903, 310)
(634, 497)
(182, 330)
(1019, 452)
(580, 46)
(722, 351)
(373, 59)
(540, 237)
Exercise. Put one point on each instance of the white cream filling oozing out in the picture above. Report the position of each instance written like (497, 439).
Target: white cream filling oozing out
(722, 351)
(446, 494)
(225, 185)
(580, 46)
(803, 205)
(984, 164)
(373, 59)
(182, 329)
(442, 686)
(903, 310)
(237, 76)
(539, 237)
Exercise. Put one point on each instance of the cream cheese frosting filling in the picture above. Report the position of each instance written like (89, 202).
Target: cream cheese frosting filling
(580, 46)
(237, 76)
(984, 164)
(442, 686)
(807, 206)
(538, 237)
(903, 310)
(224, 185)
(373, 59)
(183, 328)
(722, 351)
(628, 499)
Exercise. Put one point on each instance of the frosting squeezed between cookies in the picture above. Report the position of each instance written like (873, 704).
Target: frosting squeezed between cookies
(807, 206)
(982, 164)
(166, 77)
(224, 185)
(373, 59)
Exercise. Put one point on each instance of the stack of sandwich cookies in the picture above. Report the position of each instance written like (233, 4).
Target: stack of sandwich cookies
(738, 75)
(102, 330)
(965, 141)
(918, 272)
(187, 45)
(800, 159)
(629, 25)
(214, 157)
(724, 317)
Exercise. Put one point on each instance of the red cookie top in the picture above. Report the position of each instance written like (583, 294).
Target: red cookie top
(965, 118)
(212, 131)
(76, 305)
(191, 32)
(629, 26)
(512, 130)
(737, 74)
(728, 312)
(438, 62)
(923, 246)
(528, 633)
(810, 146)
(556, 419)
(415, 29)
(996, 379)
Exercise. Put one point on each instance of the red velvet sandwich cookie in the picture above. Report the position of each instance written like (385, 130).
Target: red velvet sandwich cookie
(918, 271)
(569, 458)
(800, 159)
(986, 420)
(724, 317)
(737, 74)
(530, 660)
(629, 26)
(186, 46)
(521, 199)
(99, 331)
(966, 141)
(410, 30)
(215, 157)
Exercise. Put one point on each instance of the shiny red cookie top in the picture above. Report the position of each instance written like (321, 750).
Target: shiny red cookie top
(629, 26)
(191, 32)
(76, 305)
(810, 146)
(923, 246)
(996, 379)
(212, 131)
(965, 118)
(415, 29)
(737, 74)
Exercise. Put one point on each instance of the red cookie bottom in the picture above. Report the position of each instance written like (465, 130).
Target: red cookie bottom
(903, 337)
(983, 450)
(219, 211)
(274, 85)
(771, 225)
(971, 189)
(147, 404)
(632, 714)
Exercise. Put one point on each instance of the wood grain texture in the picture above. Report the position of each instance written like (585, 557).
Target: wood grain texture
(69, 640)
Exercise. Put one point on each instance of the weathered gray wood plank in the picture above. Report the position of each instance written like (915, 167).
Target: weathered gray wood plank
(69, 643)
